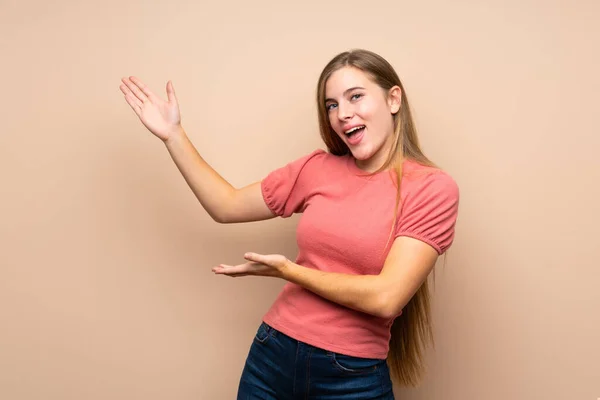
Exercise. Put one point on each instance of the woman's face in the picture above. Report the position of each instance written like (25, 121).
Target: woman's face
(361, 114)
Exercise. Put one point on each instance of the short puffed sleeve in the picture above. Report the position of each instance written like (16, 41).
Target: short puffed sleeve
(286, 189)
(430, 211)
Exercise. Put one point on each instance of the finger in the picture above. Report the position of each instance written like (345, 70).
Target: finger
(259, 258)
(135, 90)
(230, 269)
(125, 89)
(134, 103)
(145, 89)
(171, 93)
(237, 275)
(232, 274)
(129, 93)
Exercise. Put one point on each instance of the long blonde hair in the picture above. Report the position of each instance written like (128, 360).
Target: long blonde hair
(412, 330)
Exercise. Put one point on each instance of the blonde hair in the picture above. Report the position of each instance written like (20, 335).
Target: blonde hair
(412, 330)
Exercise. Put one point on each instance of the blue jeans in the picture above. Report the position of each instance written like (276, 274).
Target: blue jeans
(279, 367)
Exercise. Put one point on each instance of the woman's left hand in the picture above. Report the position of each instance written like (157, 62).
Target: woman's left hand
(258, 265)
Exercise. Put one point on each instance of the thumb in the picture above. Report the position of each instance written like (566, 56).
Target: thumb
(256, 258)
(171, 92)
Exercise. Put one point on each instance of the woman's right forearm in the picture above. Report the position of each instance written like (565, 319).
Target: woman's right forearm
(212, 190)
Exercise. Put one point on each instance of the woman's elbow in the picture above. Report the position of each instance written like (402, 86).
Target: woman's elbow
(388, 306)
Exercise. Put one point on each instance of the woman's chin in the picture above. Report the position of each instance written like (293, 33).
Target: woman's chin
(361, 154)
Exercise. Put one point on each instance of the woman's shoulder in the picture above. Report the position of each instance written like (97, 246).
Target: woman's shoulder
(310, 164)
(422, 176)
(320, 158)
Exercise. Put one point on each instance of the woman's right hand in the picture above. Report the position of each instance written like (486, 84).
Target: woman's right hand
(161, 117)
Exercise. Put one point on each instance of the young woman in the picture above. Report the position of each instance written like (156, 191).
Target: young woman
(376, 215)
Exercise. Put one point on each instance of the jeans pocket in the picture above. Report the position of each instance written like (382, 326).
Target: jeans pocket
(263, 333)
(354, 365)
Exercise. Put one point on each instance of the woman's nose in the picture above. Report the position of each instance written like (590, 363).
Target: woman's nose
(344, 112)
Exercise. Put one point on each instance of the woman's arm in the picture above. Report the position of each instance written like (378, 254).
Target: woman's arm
(223, 202)
(220, 199)
(406, 267)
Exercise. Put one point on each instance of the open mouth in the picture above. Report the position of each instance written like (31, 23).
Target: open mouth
(352, 132)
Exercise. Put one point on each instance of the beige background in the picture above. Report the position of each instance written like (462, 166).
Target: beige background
(105, 255)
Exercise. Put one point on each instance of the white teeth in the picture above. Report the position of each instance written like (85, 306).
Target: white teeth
(349, 131)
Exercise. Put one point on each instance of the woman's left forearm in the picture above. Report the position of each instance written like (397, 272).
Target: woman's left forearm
(359, 292)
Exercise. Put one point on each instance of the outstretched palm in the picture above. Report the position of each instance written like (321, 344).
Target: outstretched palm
(161, 117)
(273, 265)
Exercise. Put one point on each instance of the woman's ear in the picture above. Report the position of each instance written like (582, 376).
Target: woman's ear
(394, 99)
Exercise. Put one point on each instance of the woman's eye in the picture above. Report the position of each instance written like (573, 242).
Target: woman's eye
(356, 96)
(329, 106)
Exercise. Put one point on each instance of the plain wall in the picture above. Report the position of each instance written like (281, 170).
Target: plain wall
(105, 254)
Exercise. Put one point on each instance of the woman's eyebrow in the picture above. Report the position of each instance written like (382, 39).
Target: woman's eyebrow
(346, 91)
